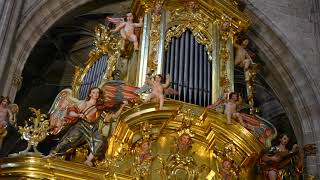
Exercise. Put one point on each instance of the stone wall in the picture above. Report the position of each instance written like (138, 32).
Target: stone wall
(38, 18)
(285, 33)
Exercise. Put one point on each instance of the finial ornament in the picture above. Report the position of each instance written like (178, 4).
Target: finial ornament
(36, 132)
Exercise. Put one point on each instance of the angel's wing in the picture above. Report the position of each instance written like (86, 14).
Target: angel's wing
(59, 110)
(243, 106)
(218, 105)
(116, 21)
(116, 93)
(146, 88)
(261, 128)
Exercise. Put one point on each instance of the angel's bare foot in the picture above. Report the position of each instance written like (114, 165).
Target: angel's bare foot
(88, 163)
(89, 160)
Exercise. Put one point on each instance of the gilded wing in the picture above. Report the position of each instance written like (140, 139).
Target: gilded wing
(59, 110)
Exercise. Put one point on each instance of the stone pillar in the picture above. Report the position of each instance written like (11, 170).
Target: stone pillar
(9, 14)
(313, 162)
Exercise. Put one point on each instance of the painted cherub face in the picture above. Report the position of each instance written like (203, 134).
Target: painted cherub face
(130, 17)
(234, 97)
(185, 139)
(4, 103)
(157, 8)
(191, 4)
(226, 165)
(145, 146)
(158, 78)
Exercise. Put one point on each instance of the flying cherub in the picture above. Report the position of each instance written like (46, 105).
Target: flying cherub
(126, 28)
(231, 104)
(155, 89)
(231, 107)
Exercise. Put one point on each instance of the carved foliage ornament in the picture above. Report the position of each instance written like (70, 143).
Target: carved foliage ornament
(195, 21)
(225, 30)
(105, 43)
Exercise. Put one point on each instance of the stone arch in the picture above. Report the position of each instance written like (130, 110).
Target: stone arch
(32, 27)
(289, 80)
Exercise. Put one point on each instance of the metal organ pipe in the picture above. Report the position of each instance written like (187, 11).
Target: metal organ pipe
(187, 63)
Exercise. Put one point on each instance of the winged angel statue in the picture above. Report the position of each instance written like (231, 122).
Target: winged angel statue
(58, 111)
(87, 116)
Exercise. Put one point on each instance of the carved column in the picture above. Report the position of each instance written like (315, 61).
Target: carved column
(156, 44)
(230, 62)
(224, 55)
(9, 14)
(215, 63)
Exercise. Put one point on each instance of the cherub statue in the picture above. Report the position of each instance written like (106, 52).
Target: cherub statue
(184, 143)
(243, 58)
(143, 160)
(126, 28)
(14, 108)
(281, 163)
(231, 106)
(157, 89)
(6, 115)
(226, 170)
(182, 154)
(157, 8)
(262, 129)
